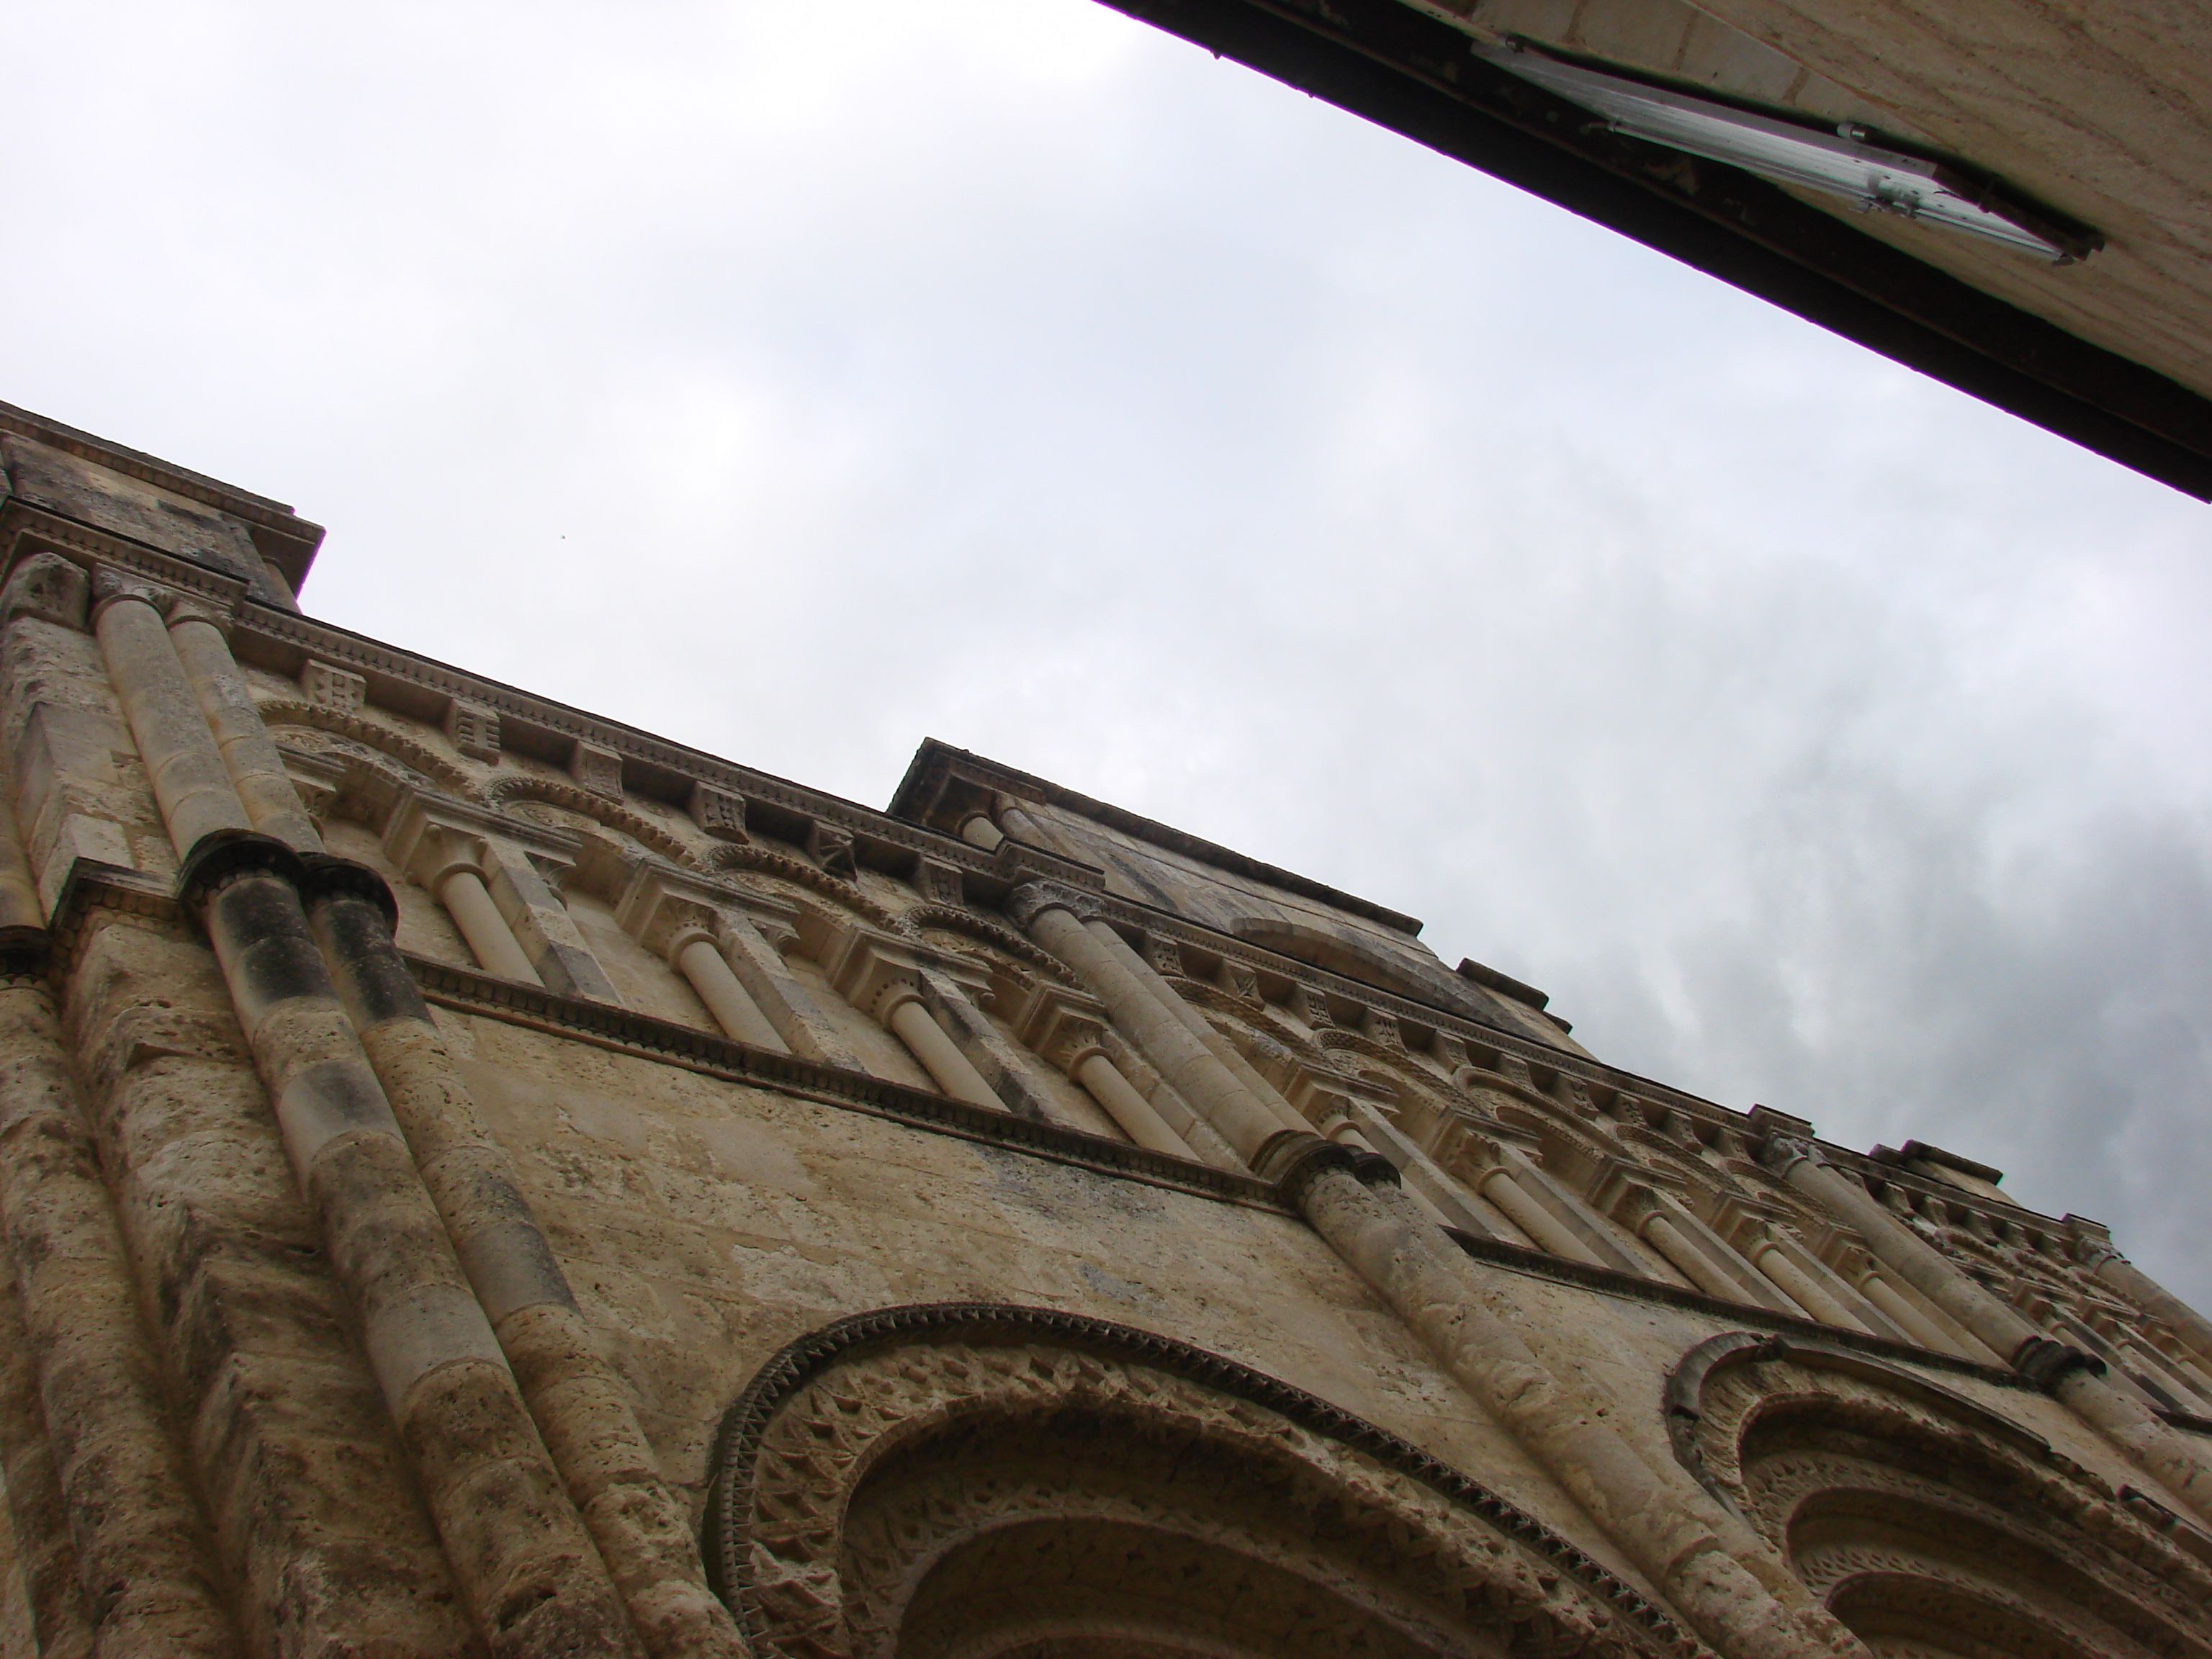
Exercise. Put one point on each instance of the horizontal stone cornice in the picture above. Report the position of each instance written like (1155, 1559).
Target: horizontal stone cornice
(466, 991)
(25, 528)
(679, 768)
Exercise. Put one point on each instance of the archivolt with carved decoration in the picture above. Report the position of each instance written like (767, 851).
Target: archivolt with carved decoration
(990, 1481)
(510, 792)
(943, 918)
(409, 752)
(798, 872)
(1931, 1525)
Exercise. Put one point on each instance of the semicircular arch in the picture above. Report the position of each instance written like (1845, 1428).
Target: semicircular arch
(416, 755)
(1929, 1523)
(1004, 1467)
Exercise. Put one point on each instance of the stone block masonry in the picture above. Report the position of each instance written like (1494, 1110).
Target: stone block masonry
(475, 1178)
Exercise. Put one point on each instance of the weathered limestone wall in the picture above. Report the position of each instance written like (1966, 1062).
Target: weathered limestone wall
(334, 1323)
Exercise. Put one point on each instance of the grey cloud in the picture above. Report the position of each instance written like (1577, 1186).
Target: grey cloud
(797, 381)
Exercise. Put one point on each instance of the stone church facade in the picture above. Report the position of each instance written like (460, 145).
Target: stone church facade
(478, 1179)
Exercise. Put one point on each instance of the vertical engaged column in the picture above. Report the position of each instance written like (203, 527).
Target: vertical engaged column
(1120, 1100)
(460, 888)
(2193, 1330)
(1223, 1050)
(106, 1474)
(36, 1512)
(1726, 1581)
(580, 1406)
(1801, 1287)
(700, 960)
(533, 1579)
(257, 771)
(1197, 1074)
(1496, 1186)
(2071, 1375)
(908, 1018)
(143, 1555)
(1901, 1312)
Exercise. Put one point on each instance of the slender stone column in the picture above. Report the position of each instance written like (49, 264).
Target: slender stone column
(910, 1021)
(2152, 1298)
(1660, 1232)
(142, 1547)
(1496, 1186)
(1197, 1075)
(609, 1469)
(256, 771)
(533, 1580)
(1723, 1578)
(1802, 1287)
(1457, 1204)
(460, 888)
(1121, 1102)
(1015, 821)
(2071, 1376)
(60, 1628)
(191, 785)
(1199, 1026)
(1716, 1571)
(701, 963)
(1929, 1335)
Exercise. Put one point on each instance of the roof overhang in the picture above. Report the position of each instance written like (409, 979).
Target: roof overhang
(1436, 82)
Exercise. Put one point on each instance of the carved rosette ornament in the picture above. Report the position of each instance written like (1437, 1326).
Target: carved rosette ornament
(1929, 1524)
(982, 1480)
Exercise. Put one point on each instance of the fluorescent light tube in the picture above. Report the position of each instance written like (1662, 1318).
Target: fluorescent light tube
(1841, 163)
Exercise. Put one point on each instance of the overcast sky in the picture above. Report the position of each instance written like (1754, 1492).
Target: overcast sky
(798, 380)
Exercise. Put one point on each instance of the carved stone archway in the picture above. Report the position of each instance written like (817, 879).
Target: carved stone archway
(1931, 1526)
(986, 1482)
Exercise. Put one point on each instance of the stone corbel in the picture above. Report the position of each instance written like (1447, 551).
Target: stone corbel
(1239, 982)
(473, 729)
(1311, 1006)
(329, 686)
(939, 883)
(1383, 1027)
(830, 845)
(1165, 955)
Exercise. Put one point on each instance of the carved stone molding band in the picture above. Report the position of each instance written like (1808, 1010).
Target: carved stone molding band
(1929, 1524)
(903, 1477)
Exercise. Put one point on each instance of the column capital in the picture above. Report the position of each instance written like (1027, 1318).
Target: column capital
(1032, 899)
(1781, 1153)
(1291, 1158)
(181, 608)
(111, 584)
(329, 876)
(2045, 1362)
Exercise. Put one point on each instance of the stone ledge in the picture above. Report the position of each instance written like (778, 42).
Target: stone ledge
(466, 991)
(1610, 1283)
